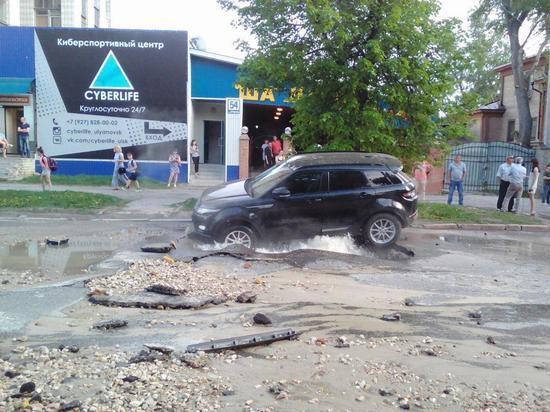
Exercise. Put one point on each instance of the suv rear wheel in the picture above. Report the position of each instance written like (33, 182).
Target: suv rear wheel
(239, 235)
(382, 230)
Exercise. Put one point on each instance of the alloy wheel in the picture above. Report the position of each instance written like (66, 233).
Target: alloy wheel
(382, 231)
(238, 237)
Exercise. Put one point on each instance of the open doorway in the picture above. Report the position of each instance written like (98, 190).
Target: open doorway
(9, 119)
(214, 142)
(264, 122)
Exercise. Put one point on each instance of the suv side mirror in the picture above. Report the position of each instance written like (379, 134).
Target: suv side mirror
(281, 193)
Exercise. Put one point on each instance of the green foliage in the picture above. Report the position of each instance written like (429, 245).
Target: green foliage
(55, 200)
(440, 212)
(88, 180)
(372, 75)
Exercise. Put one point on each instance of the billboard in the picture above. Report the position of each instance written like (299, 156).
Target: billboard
(99, 88)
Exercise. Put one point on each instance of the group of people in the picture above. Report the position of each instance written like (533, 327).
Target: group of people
(272, 152)
(511, 176)
(23, 129)
(125, 172)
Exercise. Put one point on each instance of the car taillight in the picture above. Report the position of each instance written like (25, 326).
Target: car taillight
(409, 195)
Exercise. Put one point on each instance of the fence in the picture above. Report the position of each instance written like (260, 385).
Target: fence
(482, 161)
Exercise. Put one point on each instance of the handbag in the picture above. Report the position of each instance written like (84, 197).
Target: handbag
(121, 170)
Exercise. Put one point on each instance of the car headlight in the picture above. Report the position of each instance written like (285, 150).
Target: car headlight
(202, 210)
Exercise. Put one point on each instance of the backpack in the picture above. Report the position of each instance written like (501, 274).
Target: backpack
(52, 164)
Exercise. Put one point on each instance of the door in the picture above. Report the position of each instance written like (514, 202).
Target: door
(347, 202)
(300, 215)
(214, 142)
(13, 114)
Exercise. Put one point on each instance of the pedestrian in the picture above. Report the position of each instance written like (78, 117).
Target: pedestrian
(45, 171)
(174, 160)
(532, 185)
(195, 155)
(23, 136)
(268, 154)
(546, 185)
(119, 171)
(517, 175)
(420, 173)
(503, 181)
(457, 173)
(276, 147)
(132, 170)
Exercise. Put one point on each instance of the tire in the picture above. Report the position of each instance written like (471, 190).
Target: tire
(382, 230)
(238, 235)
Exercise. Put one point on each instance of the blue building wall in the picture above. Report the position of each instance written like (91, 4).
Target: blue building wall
(16, 59)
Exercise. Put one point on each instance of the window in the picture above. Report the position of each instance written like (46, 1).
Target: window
(84, 13)
(4, 12)
(47, 13)
(96, 14)
(305, 182)
(534, 128)
(511, 129)
(347, 180)
(377, 178)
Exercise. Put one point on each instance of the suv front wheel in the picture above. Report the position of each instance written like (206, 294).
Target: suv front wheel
(382, 230)
(238, 235)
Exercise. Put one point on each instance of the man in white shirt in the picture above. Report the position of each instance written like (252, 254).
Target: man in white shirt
(517, 175)
(503, 180)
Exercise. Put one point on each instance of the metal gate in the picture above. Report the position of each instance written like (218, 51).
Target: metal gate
(482, 161)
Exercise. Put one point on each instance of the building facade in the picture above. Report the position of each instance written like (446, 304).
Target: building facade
(56, 13)
(83, 91)
(498, 121)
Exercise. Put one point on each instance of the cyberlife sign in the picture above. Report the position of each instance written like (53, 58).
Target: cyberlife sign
(99, 88)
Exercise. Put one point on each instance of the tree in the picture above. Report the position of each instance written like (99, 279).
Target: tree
(509, 16)
(370, 74)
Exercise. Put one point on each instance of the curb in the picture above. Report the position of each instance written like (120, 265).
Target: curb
(481, 226)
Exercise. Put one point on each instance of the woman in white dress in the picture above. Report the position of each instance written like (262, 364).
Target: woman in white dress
(533, 182)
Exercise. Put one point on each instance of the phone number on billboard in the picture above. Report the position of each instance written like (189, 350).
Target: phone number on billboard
(93, 122)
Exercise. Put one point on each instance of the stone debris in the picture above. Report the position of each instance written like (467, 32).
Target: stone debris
(246, 297)
(261, 319)
(409, 302)
(490, 340)
(392, 317)
(110, 324)
(130, 378)
(57, 242)
(11, 374)
(147, 356)
(474, 315)
(195, 360)
(158, 247)
(386, 392)
(174, 279)
(71, 348)
(27, 387)
(70, 406)
(165, 290)
(167, 350)
(342, 342)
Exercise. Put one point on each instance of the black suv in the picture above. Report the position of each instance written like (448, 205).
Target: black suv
(363, 194)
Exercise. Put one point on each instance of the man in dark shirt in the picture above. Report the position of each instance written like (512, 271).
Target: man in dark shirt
(23, 134)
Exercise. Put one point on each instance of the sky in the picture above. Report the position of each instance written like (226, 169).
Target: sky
(206, 19)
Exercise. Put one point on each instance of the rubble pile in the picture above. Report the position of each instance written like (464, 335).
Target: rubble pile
(161, 276)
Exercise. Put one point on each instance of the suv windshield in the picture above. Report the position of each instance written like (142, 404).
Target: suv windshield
(269, 179)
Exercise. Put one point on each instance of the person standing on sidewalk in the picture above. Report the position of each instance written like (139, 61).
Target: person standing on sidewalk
(546, 185)
(517, 175)
(533, 183)
(174, 160)
(23, 135)
(420, 173)
(119, 171)
(503, 176)
(132, 170)
(195, 155)
(457, 173)
(45, 172)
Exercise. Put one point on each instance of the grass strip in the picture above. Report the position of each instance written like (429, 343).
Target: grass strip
(440, 212)
(24, 199)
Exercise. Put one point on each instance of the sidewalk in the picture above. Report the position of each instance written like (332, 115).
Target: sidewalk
(489, 201)
(147, 203)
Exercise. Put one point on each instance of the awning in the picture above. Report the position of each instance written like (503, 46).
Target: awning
(13, 85)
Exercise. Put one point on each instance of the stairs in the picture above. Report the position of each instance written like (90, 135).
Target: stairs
(209, 175)
(16, 168)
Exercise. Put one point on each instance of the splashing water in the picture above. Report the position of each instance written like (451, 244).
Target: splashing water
(337, 244)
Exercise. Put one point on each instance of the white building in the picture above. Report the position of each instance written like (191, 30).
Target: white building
(56, 13)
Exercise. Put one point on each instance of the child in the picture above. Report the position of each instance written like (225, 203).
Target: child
(45, 174)
(175, 161)
(132, 171)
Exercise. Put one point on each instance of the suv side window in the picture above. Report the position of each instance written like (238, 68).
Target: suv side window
(305, 182)
(347, 180)
(378, 178)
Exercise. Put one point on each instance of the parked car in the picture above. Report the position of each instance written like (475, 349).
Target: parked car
(363, 194)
